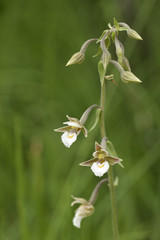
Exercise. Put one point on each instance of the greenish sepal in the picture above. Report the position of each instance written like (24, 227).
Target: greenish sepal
(63, 129)
(120, 164)
(89, 162)
(113, 160)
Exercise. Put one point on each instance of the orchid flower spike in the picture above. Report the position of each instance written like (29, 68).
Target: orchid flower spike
(102, 160)
(84, 210)
(74, 128)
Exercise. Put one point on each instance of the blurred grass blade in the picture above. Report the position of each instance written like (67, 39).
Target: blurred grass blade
(21, 189)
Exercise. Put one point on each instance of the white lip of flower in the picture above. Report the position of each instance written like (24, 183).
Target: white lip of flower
(68, 138)
(77, 220)
(101, 161)
(85, 209)
(99, 169)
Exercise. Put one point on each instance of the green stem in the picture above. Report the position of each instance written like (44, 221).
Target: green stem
(113, 204)
(110, 172)
(102, 124)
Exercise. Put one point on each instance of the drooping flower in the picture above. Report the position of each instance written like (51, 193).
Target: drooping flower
(101, 161)
(84, 210)
(71, 131)
(74, 127)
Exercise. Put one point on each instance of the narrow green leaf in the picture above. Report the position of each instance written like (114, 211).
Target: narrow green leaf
(104, 32)
(98, 52)
(116, 24)
(112, 151)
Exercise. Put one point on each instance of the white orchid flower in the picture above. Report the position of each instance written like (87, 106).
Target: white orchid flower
(71, 131)
(101, 161)
(74, 128)
(85, 209)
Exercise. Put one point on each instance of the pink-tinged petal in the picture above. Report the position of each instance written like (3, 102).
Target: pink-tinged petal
(100, 154)
(97, 146)
(79, 200)
(99, 169)
(113, 160)
(63, 129)
(68, 138)
(71, 119)
(89, 162)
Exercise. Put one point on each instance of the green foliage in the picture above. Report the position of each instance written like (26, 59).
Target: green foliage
(37, 173)
(116, 24)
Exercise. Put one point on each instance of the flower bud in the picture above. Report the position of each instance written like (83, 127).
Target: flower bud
(133, 34)
(127, 77)
(119, 50)
(125, 64)
(106, 57)
(77, 58)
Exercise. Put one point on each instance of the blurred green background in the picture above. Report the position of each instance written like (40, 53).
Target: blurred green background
(37, 173)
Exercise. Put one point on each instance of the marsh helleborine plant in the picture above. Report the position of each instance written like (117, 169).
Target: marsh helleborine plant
(104, 156)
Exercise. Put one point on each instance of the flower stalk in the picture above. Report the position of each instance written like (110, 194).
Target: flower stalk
(113, 204)
(102, 105)
(110, 171)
